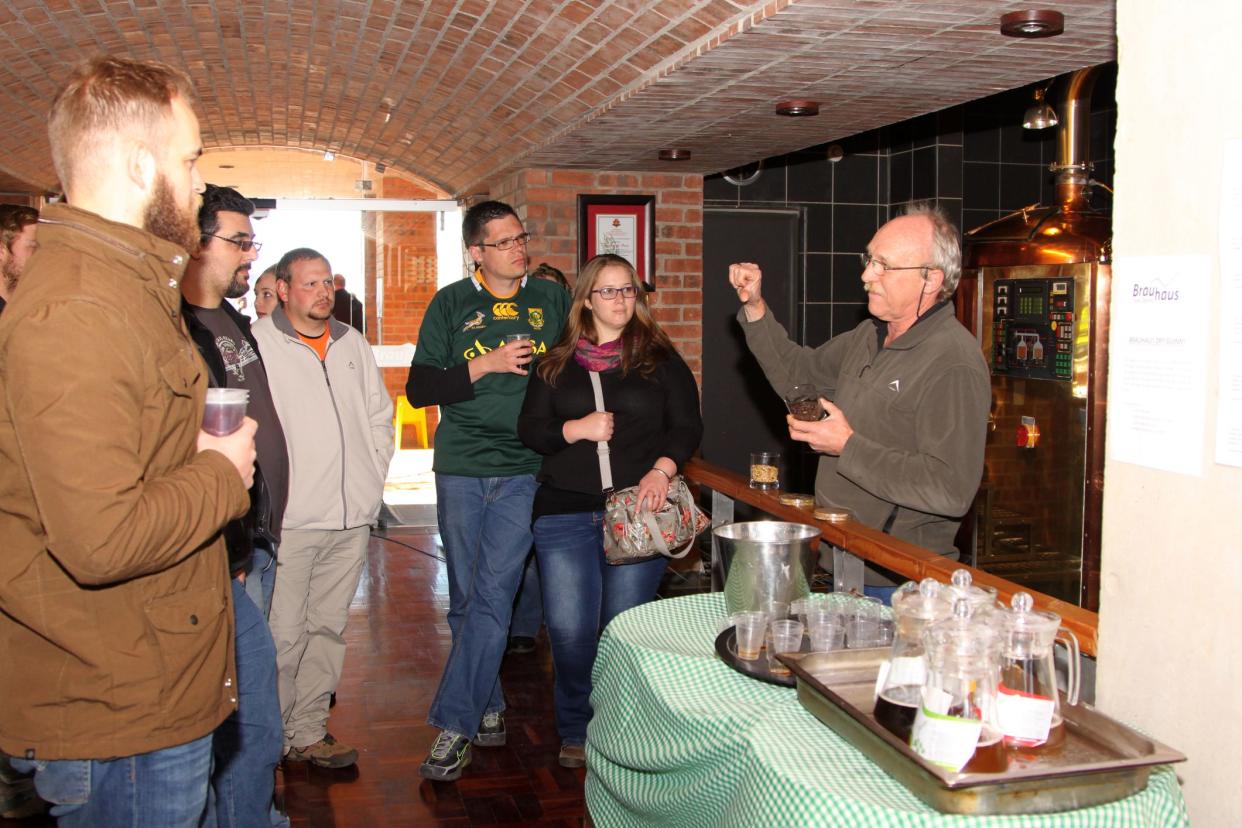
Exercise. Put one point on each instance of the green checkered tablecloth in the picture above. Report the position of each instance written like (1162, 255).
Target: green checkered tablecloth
(679, 738)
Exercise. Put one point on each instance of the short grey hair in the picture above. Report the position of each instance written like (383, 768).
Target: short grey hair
(946, 243)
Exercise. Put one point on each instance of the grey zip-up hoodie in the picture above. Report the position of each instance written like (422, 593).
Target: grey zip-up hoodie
(337, 418)
(919, 410)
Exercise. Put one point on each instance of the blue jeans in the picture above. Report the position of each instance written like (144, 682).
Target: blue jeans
(528, 610)
(581, 594)
(261, 577)
(485, 526)
(162, 789)
(884, 593)
(248, 745)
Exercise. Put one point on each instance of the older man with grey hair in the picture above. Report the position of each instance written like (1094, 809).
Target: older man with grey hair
(906, 393)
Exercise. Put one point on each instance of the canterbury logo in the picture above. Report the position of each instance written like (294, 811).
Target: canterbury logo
(505, 310)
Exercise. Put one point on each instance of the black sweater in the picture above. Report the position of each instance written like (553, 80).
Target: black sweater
(655, 416)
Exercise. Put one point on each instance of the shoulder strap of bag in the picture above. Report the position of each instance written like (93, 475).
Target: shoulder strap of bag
(601, 447)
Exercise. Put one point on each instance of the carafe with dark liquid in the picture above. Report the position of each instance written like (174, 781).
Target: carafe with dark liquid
(899, 686)
(1029, 703)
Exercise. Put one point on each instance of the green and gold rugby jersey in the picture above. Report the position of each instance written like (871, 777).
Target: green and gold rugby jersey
(478, 437)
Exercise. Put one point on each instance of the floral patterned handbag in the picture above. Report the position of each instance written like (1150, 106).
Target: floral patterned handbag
(631, 535)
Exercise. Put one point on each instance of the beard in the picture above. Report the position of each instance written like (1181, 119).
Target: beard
(10, 273)
(239, 285)
(165, 219)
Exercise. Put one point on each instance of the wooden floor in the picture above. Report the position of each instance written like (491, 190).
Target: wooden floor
(398, 642)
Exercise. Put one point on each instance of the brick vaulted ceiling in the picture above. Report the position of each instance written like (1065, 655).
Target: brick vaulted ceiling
(459, 92)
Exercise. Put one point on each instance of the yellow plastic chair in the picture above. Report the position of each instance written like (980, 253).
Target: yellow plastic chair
(408, 415)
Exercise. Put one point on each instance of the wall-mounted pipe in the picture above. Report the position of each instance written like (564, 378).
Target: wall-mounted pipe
(1073, 164)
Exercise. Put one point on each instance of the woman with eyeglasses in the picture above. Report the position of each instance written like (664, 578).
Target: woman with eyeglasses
(652, 425)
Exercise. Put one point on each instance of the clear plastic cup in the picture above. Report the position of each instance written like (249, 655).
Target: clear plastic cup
(517, 337)
(863, 629)
(827, 633)
(224, 410)
(786, 638)
(750, 628)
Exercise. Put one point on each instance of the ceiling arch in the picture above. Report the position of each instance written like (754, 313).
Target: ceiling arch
(459, 92)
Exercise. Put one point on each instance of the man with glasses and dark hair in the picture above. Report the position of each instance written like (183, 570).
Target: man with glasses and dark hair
(248, 745)
(471, 362)
(907, 392)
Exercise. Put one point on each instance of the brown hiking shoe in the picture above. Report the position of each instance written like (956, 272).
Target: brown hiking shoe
(326, 753)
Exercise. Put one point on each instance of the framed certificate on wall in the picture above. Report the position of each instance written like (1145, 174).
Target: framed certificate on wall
(618, 224)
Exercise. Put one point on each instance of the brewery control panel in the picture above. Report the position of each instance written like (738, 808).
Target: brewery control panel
(1033, 328)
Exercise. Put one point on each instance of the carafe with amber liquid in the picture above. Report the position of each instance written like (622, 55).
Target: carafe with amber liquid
(899, 686)
(1028, 701)
(956, 725)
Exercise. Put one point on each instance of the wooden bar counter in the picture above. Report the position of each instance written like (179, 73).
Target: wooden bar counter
(914, 562)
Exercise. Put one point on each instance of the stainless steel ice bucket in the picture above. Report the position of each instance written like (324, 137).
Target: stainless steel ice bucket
(765, 561)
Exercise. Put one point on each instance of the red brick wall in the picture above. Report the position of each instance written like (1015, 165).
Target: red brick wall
(404, 256)
(547, 201)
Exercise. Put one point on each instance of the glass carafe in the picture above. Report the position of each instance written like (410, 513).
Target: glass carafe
(899, 686)
(982, 598)
(956, 725)
(1029, 704)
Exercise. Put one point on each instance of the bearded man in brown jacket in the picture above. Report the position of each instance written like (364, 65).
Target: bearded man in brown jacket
(115, 614)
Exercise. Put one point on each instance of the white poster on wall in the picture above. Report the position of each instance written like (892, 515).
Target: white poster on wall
(1229, 401)
(1157, 362)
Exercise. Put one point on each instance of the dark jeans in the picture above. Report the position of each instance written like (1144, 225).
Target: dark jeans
(581, 594)
(528, 609)
(248, 745)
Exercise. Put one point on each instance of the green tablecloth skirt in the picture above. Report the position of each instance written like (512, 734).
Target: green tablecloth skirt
(679, 738)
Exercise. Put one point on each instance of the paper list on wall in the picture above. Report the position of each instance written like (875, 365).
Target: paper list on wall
(1229, 400)
(1157, 359)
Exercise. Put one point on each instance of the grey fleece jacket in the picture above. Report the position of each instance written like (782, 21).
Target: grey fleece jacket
(919, 410)
(337, 418)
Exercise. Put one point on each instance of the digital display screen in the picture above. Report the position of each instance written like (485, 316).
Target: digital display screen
(1031, 302)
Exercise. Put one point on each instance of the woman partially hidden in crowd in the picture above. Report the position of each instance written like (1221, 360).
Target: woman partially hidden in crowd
(652, 425)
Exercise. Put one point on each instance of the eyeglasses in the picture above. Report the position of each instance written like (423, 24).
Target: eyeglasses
(245, 245)
(610, 293)
(868, 260)
(507, 244)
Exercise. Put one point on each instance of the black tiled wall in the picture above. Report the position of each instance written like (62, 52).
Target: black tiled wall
(975, 160)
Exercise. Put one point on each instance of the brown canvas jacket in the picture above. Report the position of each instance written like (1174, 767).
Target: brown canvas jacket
(115, 614)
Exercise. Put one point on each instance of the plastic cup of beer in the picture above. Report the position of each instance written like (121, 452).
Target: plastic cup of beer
(786, 638)
(749, 627)
(225, 410)
(517, 337)
(803, 403)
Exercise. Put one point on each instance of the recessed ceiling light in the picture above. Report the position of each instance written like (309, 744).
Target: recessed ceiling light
(797, 109)
(674, 155)
(1033, 23)
(329, 156)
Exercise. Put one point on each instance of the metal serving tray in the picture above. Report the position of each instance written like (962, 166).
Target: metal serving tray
(1100, 761)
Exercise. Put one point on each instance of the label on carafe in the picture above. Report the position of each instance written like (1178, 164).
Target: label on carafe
(948, 741)
(1024, 718)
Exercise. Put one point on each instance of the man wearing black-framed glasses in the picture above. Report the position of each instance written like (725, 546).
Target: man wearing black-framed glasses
(248, 745)
(467, 364)
(906, 394)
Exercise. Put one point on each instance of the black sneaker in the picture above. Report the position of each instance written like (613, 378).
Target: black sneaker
(521, 645)
(491, 731)
(450, 754)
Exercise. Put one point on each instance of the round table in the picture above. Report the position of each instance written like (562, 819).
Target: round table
(679, 738)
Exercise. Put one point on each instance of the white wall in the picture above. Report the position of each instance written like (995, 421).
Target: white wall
(1171, 598)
